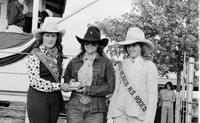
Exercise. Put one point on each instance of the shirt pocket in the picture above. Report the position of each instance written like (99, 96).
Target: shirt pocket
(98, 73)
(74, 75)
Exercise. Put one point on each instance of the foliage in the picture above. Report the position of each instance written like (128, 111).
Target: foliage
(171, 24)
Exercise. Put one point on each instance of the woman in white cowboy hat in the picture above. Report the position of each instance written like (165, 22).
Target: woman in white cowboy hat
(91, 76)
(44, 64)
(135, 97)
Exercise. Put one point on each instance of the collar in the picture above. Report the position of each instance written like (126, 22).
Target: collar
(97, 57)
(43, 49)
(90, 58)
(138, 63)
(49, 52)
(137, 59)
(134, 61)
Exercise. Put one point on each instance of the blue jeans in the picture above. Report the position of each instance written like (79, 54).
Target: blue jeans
(80, 113)
(167, 114)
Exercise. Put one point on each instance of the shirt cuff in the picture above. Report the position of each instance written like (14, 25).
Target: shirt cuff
(56, 86)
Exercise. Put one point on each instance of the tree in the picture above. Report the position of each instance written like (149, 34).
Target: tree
(171, 24)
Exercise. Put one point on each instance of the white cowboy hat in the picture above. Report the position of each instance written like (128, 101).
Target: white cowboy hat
(49, 25)
(136, 35)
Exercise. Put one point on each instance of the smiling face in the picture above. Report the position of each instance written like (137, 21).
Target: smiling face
(134, 50)
(90, 47)
(49, 39)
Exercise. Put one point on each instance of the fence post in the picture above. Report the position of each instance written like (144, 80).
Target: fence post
(190, 89)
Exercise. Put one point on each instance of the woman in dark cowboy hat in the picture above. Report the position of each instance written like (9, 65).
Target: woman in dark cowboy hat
(90, 76)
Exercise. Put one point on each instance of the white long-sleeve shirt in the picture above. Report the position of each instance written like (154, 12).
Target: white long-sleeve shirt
(38, 83)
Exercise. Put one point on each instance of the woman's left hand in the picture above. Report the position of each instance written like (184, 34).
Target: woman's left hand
(67, 87)
(81, 87)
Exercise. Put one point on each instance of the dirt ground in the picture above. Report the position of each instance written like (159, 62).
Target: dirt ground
(12, 112)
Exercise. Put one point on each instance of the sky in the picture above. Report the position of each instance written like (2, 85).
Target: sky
(77, 24)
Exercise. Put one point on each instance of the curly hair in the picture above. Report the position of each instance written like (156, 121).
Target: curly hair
(39, 41)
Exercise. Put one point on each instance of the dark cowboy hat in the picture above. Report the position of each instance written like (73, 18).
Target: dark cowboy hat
(93, 34)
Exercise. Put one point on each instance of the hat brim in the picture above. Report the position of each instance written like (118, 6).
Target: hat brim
(103, 41)
(38, 31)
(148, 43)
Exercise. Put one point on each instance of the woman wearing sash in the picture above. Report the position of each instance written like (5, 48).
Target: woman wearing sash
(44, 64)
(135, 97)
(91, 76)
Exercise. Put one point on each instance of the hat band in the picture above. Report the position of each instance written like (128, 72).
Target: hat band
(92, 39)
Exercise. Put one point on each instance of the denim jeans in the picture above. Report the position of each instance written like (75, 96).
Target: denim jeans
(80, 113)
(167, 114)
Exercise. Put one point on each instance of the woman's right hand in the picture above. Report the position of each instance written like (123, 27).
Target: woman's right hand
(67, 87)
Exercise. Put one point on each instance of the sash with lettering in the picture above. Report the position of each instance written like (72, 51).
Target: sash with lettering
(131, 90)
(48, 62)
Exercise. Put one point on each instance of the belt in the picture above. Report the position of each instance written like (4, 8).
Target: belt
(84, 99)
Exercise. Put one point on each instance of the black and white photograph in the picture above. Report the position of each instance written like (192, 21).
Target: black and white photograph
(99, 61)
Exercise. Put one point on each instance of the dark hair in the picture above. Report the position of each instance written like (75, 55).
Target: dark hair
(39, 41)
(143, 48)
(99, 50)
(170, 84)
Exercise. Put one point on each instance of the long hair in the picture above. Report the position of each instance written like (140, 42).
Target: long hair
(170, 84)
(39, 41)
(99, 50)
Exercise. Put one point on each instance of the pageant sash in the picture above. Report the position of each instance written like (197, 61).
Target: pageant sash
(131, 90)
(48, 62)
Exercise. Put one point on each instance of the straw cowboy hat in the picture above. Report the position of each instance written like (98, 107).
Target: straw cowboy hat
(49, 25)
(136, 35)
(93, 34)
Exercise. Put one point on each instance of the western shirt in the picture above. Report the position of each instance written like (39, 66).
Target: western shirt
(103, 80)
(39, 76)
(144, 76)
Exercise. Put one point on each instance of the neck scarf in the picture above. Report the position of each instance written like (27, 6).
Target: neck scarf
(50, 52)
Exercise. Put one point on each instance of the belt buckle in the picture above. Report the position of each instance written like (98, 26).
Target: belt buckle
(84, 99)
